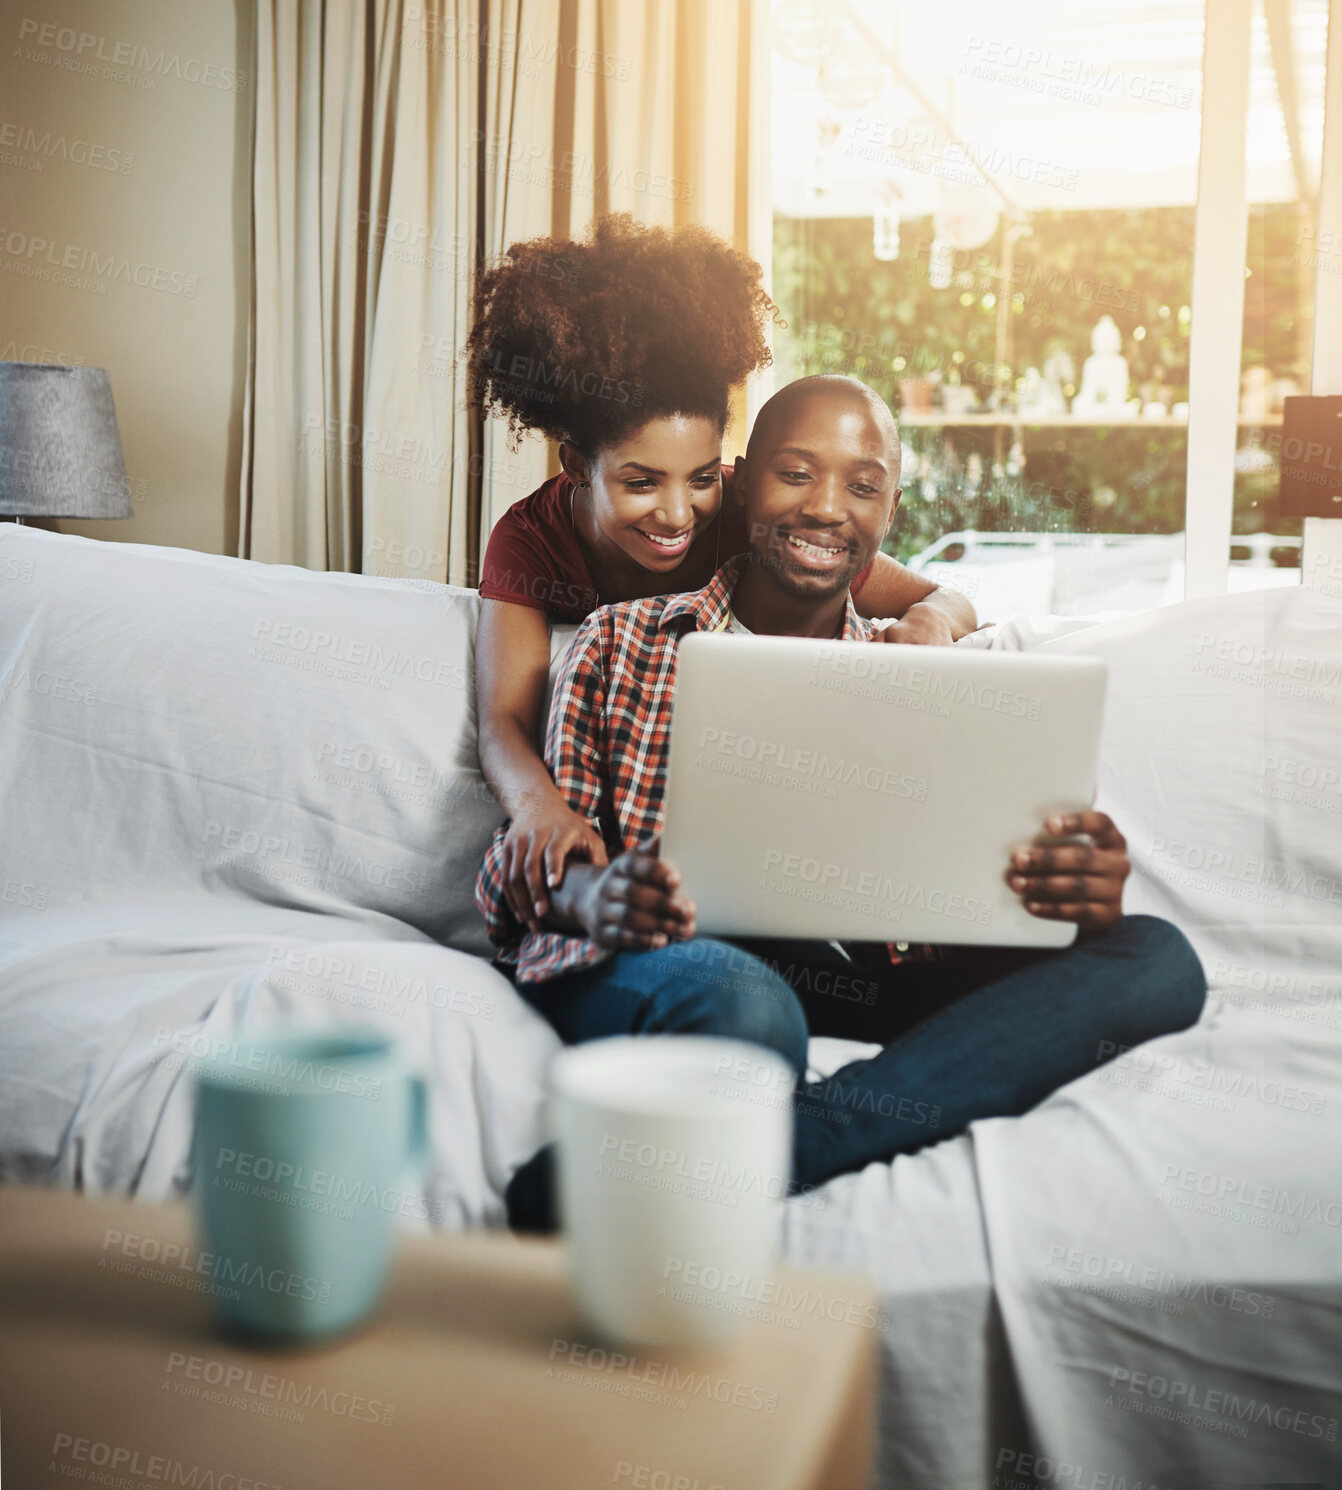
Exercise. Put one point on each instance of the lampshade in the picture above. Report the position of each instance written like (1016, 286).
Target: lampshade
(60, 452)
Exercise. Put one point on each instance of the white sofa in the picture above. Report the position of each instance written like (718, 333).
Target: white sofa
(233, 794)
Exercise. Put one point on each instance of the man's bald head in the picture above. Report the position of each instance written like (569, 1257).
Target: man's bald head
(819, 487)
(773, 419)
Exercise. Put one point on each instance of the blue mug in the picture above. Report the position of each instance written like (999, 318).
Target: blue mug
(307, 1146)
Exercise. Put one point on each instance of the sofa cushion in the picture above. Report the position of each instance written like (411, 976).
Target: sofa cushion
(1220, 762)
(172, 720)
(103, 1009)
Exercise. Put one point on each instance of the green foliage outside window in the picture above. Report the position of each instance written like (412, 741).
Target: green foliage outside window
(884, 323)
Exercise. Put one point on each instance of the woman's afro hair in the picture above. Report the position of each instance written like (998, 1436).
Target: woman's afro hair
(584, 341)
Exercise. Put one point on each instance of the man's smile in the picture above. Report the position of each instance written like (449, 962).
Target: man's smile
(816, 552)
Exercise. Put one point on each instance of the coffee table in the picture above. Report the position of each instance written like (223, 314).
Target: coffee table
(475, 1372)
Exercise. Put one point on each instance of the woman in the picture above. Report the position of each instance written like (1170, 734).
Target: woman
(623, 348)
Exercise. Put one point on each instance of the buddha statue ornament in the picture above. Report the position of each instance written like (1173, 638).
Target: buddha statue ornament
(1104, 375)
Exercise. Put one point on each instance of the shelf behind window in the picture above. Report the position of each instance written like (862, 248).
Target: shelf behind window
(914, 420)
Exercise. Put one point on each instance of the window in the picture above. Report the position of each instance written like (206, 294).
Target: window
(1285, 146)
(988, 213)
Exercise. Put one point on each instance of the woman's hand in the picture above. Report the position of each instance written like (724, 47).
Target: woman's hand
(634, 903)
(922, 626)
(1081, 882)
(543, 835)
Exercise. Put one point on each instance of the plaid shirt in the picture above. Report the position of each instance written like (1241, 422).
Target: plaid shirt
(606, 746)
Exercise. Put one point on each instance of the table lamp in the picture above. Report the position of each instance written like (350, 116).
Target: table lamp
(60, 452)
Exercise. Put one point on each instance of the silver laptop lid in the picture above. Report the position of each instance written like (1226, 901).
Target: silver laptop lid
(871, 792)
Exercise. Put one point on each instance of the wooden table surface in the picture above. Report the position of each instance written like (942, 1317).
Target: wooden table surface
(474, 1372)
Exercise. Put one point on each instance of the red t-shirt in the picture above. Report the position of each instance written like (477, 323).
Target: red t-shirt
(533, 557)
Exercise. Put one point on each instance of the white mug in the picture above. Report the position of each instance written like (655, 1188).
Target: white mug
(674, 1154)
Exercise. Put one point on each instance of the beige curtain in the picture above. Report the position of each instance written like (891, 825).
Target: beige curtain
(394, 143)
(658, 108)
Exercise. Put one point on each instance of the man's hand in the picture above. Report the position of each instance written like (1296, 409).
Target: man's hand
(634, 904)
(922, 626)
(1081, 882)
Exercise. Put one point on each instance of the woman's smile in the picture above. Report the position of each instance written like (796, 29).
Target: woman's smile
(668, 545)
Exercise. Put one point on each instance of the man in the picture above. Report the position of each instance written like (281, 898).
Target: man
(977, 1033)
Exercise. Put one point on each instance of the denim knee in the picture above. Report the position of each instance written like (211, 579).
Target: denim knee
(738, 997)
(1167, 985)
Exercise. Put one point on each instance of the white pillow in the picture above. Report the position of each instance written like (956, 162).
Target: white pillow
(1221, 762)
(177, 719)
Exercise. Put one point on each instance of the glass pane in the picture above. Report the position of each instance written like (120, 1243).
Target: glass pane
(1284, 152)
(986, 213)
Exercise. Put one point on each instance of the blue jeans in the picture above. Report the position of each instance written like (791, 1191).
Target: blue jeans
(988, 1033)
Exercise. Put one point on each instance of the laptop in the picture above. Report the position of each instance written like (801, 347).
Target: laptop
(872, 792)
